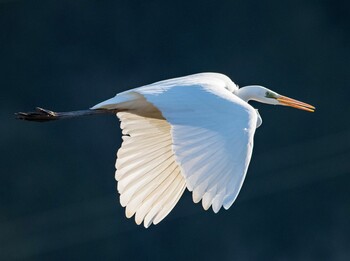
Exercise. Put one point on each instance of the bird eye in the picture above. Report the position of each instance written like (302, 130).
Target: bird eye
(270, 95)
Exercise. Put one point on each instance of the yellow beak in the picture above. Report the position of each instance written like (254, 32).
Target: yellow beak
(295, 104)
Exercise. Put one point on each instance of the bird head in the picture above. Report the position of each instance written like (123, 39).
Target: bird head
(264, 95)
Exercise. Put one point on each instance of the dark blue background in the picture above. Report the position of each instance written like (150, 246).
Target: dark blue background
(58, 198)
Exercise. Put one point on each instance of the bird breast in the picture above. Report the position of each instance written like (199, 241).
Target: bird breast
(259, 119)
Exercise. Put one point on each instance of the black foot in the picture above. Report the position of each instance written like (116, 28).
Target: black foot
(39, 114)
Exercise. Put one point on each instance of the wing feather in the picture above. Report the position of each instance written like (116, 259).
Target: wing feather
(189, 132)
(149, 179)
(212, 138)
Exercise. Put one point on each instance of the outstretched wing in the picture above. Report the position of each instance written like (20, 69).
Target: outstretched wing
(212, 137)
(190, 131)
(149, 180)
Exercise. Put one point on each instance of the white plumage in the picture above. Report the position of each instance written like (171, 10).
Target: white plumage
(189, 132)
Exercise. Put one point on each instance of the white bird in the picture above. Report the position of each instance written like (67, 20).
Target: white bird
(193, 132)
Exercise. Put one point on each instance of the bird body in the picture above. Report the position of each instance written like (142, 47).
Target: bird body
(194, 126)
(193, 132)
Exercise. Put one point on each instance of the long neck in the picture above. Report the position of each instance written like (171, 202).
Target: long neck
(248, 93)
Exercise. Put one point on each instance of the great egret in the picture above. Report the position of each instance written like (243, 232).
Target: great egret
(193, 132)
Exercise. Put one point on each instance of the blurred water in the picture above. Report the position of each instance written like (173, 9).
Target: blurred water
(57, 196)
